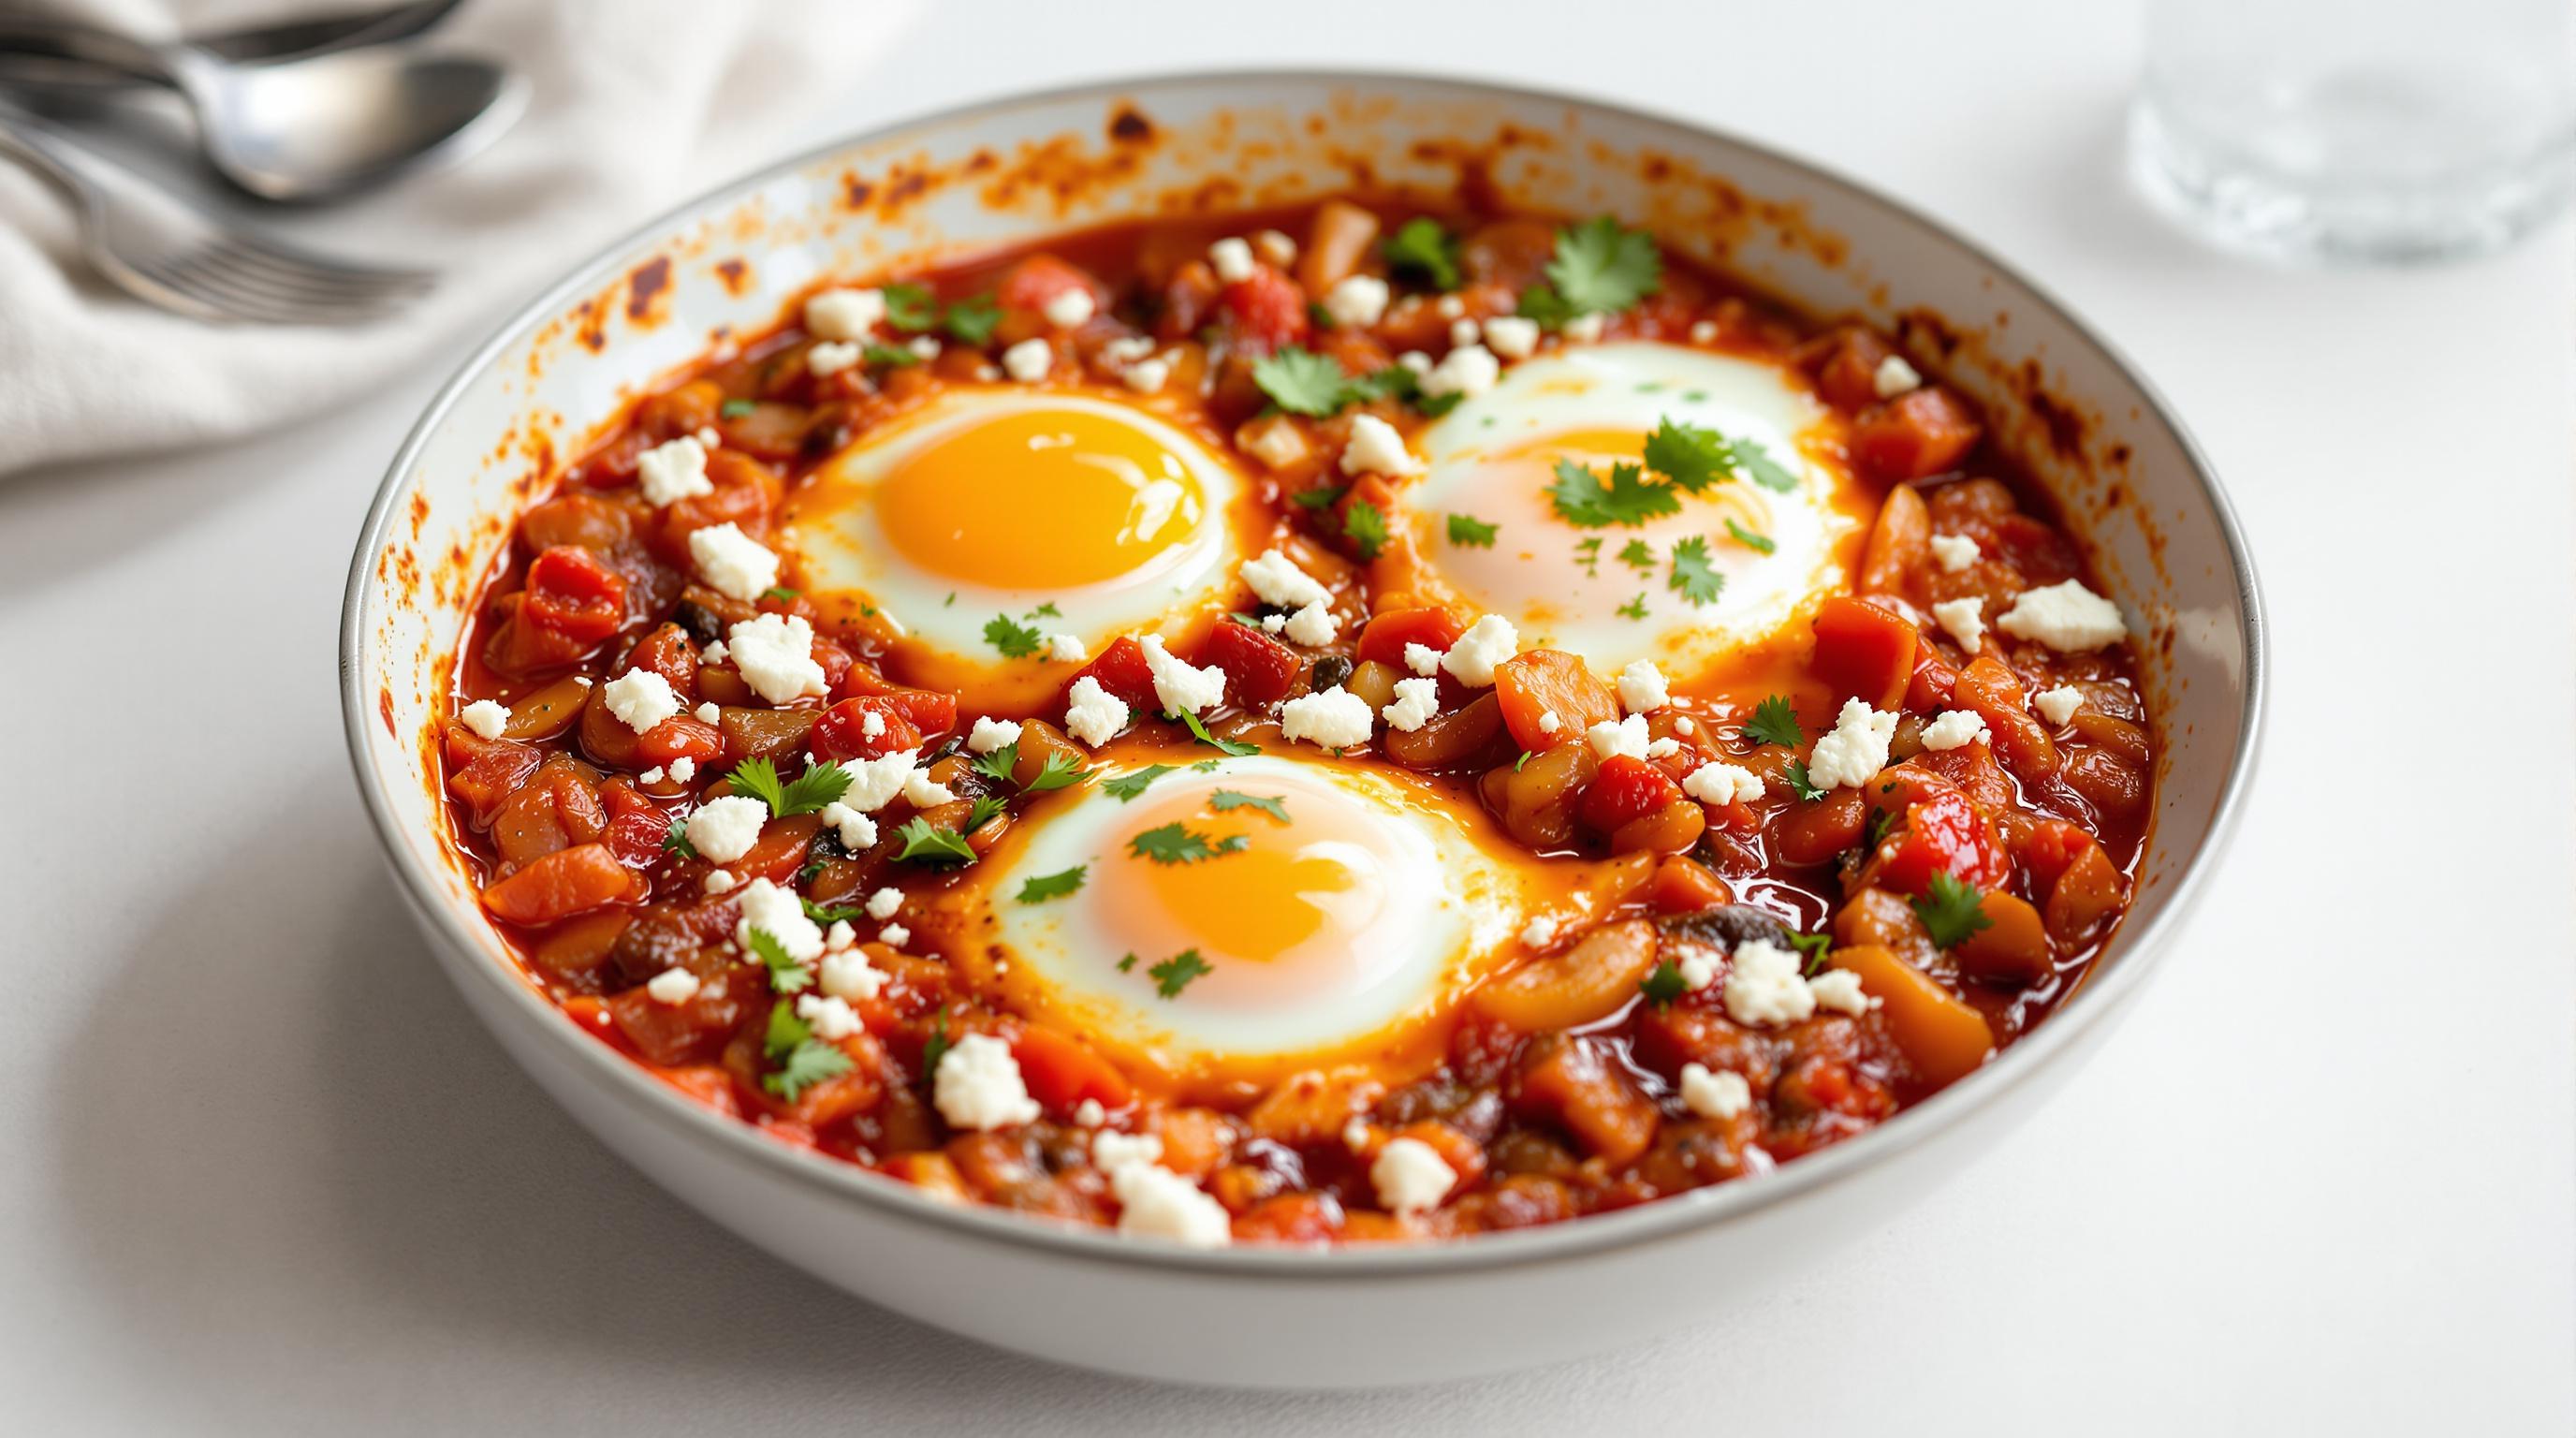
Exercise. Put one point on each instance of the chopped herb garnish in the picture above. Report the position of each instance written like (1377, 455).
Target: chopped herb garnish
(1301, 381)
(1881, 822)
(1600, 267)
(1814, 947)
(1177, 972)
(1799, 783)
(1061, 770)
(1758, 543)
(1692, 576)
(1692, 456)
(1365, 526)
(675, 841)
(924, 844)
(846, 914)
(1663, 985)
(1051, 886)
(1588, 554)
(1774, 722)
(1422, 250)
(1584, 501)
(972, 320)
(1015, 640)
(986, 806)
(1635, 608)
(1128, 785)
(780, 592)
(997, 764)
(786, 974)
(1127, 964)
(935, 1048)
(1173, 844)
(1952, 910)
(735, 408)
(1637, 555)
(803, 1060)
(1276, 805)
(887, 356)
(1756, 464)
(1321, 497)
(1468, 530)
(819, 785)
(1235, 747)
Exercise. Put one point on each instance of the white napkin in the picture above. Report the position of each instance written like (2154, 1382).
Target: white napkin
(634, 105)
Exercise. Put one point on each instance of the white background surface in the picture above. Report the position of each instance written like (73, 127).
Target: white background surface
(262, 1173)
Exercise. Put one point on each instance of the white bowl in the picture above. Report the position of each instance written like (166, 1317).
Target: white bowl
(2127, 477)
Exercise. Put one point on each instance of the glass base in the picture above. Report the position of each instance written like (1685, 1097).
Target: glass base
(2251, 207)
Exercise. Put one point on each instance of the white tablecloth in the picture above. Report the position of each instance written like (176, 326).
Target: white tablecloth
(265, 1175)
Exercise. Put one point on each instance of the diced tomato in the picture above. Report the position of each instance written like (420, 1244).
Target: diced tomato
(1847, 372)
(483, 773)
(1291, 1218)
(2050, 847)
(779, 851)
(1258, 669)
(572, 594)
(667, 651)
(1864, 651)
(636, 826)
(1943, 834)
(1036, 279)
(1541, 682)
(932, 711)
(1625, 788)
(1390, 631)
(1684, 885)
(1933, 680)
(1121, 669)
(1916, 435)
(745, 494)
(562, 884)
(1062, 1071)
(1267, 309)
(844, 730)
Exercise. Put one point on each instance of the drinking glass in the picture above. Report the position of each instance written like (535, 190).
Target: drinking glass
(2372, 130)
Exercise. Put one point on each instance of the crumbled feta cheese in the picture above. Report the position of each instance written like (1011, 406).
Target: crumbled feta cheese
(844, 314)
(583, 681)
(488, 719)
(1449, 307)
(1028, 361)
(991, 734)
(1274, 623)
(650, 776)
(1334, 719)
(1953, 552)
(1613, 737)
(1539, 932)
(1414, 360)
(1642, 687)
(1703, 332)
(1489, 642)
(727, 828)
(1090, 1114)
(1965, 619)
(1067, 649)
(1277, 446)
(924, 792)
(848, 976)
(978, 1085)
(1464, 332)
(885, 903)
(1698, 965)
(717, 881)
(1763, 986)
(640, 699)
(923, 347)
(1126, 350)
(1894, 377)
(1855, 751)
(838, 935)
(872, 725)
(1722, 1094)
(673, 471)
(1147, 376)
(708, 713)
(1277, 579)
(1183, 687)
(875, 782)
(1356, 303)
(1313, 625)
(894, 936)
(1663, 748)
(1093, 714)
(1468, 370)
(1954, 729)
(1718, 782)
(672, 986)
(1070, 308)
(777, 912)
(1232, 260)
(1684, 724)
(857, 830)
(1840, 990)
(1355, 1134)
(684, 769)
(832, 1019)
(715, 653)
(2067, 617)
(775, 653)
(1112, 1150)
(1275, 247)
(1376, 448)
(1416, 700)
(827, 360)
(1422, 659)
(733, 563)
(1511, 336)
(1158, 1203)
(708, 437)
(1585, 329)
(1411, 1177)
(2058, 705)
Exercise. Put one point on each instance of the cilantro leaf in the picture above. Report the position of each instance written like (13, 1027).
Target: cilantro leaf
(1952, 910)
(1588, 554)
(1637, 555)
(973, 320)
(1177, 972)
(1547, 307)
(780, 592)
(1692, 575)
(1663, 985)
(1015, 640)
(1275, 805)
(887, 356)
(1467, 529)
(736, 408)
(1061, 770)
(1127, 786)
(1601, 266)
(1758, 543)
(1691, 456)
(1127, 964)
(1756, 464)
(821, 915)
(936, 1047)
(675, 841)
(819, 785)
(759, 779)
(1365, 526)
(1799, 784)
(1814, 947)
(1300, 381)
(986, 806)
(997, 764)
(1321, 497)
(927, 845)
(1584, 501)
(786, 974)
(1422, 249)
(1043, 887)
(1235, 747)
(1173, 844)
(1635, 608)
(803, 1060)
(910, 308)
(1774, 722)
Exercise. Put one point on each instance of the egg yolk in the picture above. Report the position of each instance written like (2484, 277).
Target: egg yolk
(1293, 899)
(1036, 499)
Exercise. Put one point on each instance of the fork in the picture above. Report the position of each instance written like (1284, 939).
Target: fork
(164, 251)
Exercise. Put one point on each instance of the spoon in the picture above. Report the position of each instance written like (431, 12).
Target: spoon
(313, 128)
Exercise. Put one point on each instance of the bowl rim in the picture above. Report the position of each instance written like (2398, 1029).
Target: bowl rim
(1593, 1234)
